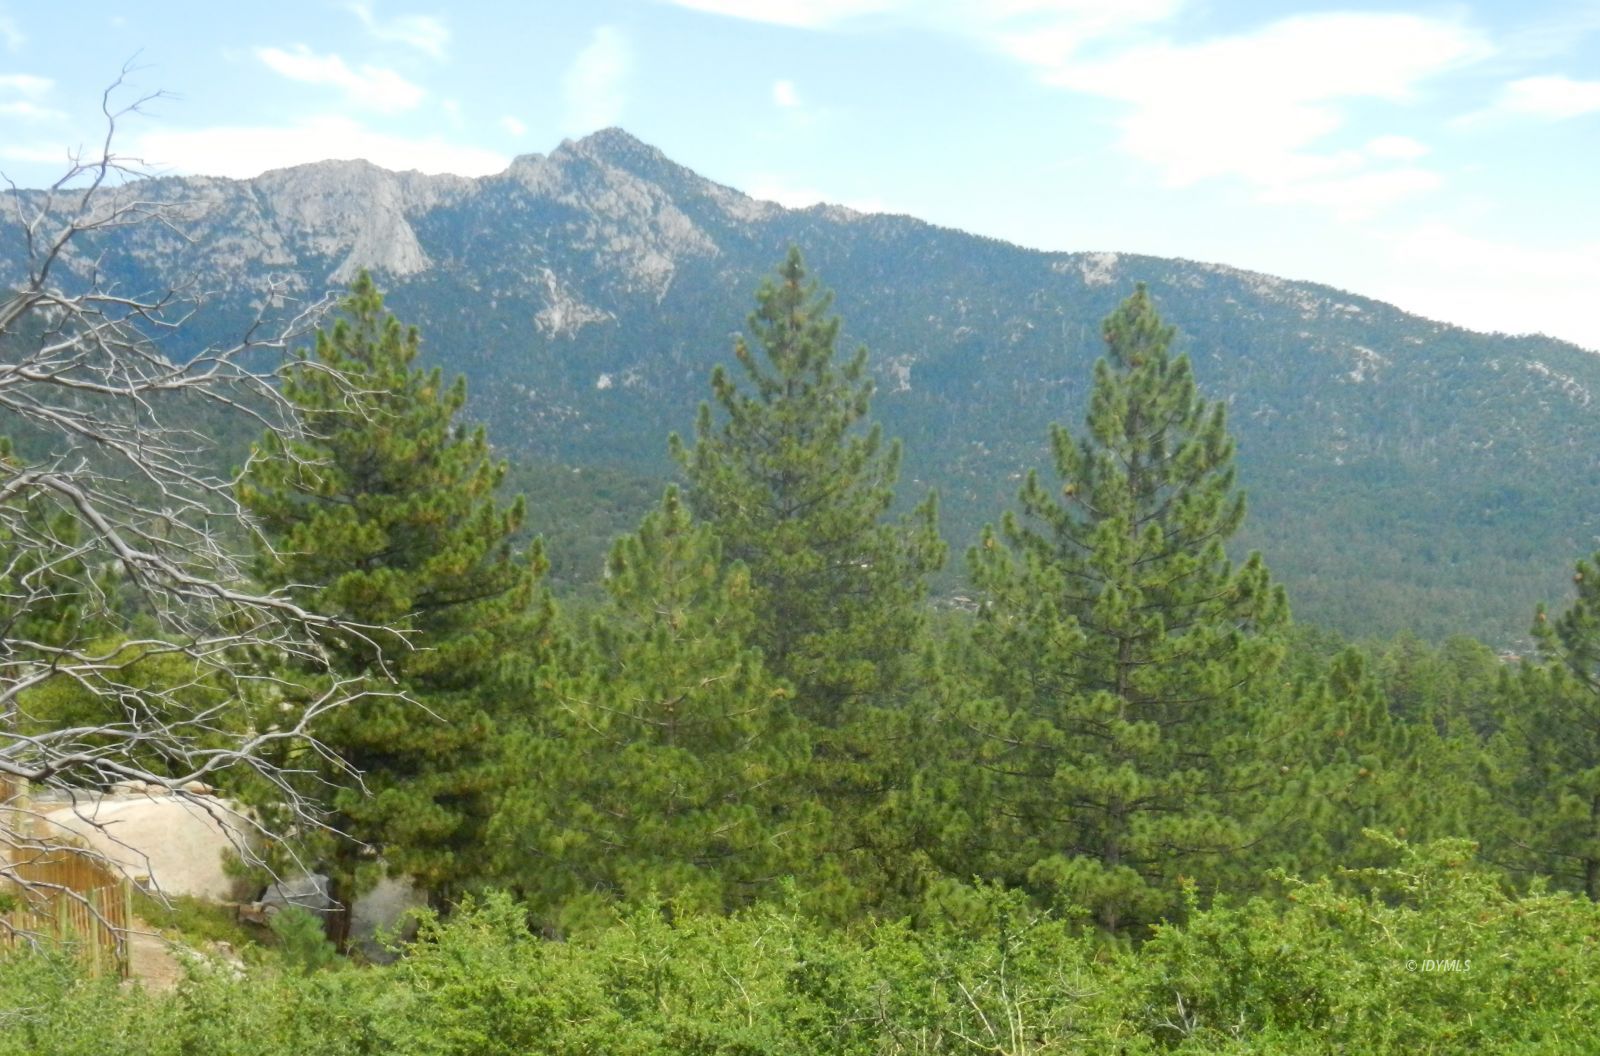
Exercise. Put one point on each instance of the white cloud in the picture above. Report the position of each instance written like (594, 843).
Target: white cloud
(1445, 273)
(28, 108)
(241, 151)
(513, 126)
(425, 33)
(1036, 31)
(1049, 33)
(785, 95)
(373, 87)
(803, 14)
(1258, 106)
(1395, 148)
(594, 87)
(1553, 98)
(27, 111)
(26, 85)
(11, 33)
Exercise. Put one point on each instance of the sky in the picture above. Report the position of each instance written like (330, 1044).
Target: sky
(1444, 157)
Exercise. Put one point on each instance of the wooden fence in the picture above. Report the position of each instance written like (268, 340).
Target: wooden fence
(61, 893)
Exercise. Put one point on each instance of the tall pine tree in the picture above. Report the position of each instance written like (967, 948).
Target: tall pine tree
(389, 517)
(1125, 658)
(798, 487)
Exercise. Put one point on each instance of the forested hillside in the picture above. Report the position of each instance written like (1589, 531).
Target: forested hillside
(1406, 475)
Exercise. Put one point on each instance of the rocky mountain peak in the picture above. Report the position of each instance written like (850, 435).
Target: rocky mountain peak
(353, 212)
(622, 202)
(618, 147)
(619, 151)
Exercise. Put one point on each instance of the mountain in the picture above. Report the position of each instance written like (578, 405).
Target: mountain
(1403, 473)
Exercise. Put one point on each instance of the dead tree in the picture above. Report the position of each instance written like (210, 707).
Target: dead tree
(113, 507)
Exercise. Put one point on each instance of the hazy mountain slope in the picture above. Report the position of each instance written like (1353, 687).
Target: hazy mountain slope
(1402, 472)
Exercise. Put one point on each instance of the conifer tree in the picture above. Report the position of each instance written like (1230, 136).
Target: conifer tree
(671, 769)
(389, 516)
(1549, 753)
(798, 487)
(1125, 660)
(1348, 762)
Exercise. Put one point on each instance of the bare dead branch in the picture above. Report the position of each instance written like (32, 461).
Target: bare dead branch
(115, 512)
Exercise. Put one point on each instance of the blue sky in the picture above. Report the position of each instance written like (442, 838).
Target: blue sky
(1445, 157)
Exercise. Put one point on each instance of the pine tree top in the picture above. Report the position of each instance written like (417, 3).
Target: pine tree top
(797, 482)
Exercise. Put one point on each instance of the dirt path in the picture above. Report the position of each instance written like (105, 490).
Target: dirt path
(151, 958)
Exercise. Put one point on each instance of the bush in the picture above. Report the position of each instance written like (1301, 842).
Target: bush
(1422, 955)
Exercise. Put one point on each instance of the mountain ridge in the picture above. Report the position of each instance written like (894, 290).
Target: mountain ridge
(586, 294)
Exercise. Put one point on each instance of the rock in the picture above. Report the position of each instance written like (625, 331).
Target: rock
(198, 788)
(312, 892)
(382, 916)
(135, 787)
(223, 955)
(178, 843)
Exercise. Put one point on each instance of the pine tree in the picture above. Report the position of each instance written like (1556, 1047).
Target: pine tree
(389, 517)
(1124, 659)
(1349, 761)
(1549, 753)
(672, 768)
(799, 490)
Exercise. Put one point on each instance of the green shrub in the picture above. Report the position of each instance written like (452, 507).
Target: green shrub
(1425, 954)
(302, 941)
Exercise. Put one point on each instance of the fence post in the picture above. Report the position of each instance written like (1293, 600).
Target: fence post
(124, 947)
(97, 927)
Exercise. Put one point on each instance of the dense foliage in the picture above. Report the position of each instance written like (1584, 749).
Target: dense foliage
(1422, 955)
(769, 799)
(672, 763)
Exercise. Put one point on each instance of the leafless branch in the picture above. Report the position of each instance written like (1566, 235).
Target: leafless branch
(124, 549)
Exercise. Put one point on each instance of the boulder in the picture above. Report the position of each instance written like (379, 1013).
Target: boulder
(177, 843)
(383, 916)
(312, 892)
